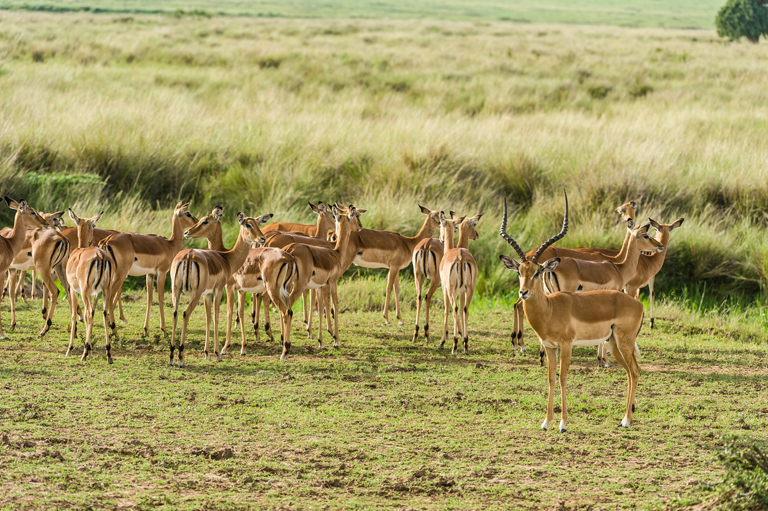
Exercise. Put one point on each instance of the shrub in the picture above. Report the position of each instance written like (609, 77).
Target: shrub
(745, 486)
(743, 18)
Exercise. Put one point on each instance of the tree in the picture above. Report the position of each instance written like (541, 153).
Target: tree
(747, 18)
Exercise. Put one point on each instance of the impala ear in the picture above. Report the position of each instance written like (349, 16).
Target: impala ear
(11, 203)
(96, 218)
(677, 223)
(73, 216)
(424, 210)
(57, 215)
(442, 218)
(453, 215)
(23, 206)
(240, 217)
(263, 219)
(217, 212)
(322, 208)
(633, 204)
(630, 224)
(475, 219)
(313, 208)
(551, 264)
(510, 263)
(643, 228)
(361, 211)
(656, 225)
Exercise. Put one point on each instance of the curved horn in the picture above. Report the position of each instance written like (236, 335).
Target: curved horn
(508, 238)
(535, 258)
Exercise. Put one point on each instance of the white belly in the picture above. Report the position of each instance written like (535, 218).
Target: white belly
(368, 264)
(207, 292)
(580, 342)
(29, 264)
(138, 271)
(256, 289)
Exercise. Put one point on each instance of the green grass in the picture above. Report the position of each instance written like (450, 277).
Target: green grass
(379, 423)
(643, 13)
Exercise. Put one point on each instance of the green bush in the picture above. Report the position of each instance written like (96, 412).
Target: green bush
(745, 486)
(743, 18)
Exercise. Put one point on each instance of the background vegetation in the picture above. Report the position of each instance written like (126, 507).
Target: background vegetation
(641, 13)
(131, 113)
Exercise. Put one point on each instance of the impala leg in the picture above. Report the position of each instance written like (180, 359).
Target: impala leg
(18, 289)
(256, 298)
(72, 319)
(207, 304)
(397, 298)
(230, 312)
(307, 307)
(2, 286)
(184, 323)
(446, 307)
(12, 276)
(390, 284)
(650, 292)
(515, 326)
(465, 307)
(335, 313)
(240, 311)
(267, 326)
(161, 300)
(175, 294)
(88, 303)
(552, 375)
(327, 299)
(319, 292)
(107, 308)
(456, 329)
(419, 281)
(286, 315)
(312, 296)
(427, 304)
(565, 362)
(34, 282)
(216, 307)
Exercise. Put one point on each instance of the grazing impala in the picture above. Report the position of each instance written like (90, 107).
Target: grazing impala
(564, 320)
(90, 271)
(458, 276)
(205, 273)
(392, 250)
(11, 245)
(148, 255)
(649, 265)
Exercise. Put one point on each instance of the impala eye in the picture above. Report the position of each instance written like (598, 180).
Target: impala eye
(189, 215)
(205, 223)
(248, 226)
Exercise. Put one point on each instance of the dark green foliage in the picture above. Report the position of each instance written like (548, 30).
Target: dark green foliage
(743, 18)
(745, 486)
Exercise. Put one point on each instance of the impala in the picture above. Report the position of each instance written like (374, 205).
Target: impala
(209, 227)
(392, 250)
(90, 271)
(11, 245)
(649, 266)
(426, 266)
(563, 320)
(24, 260)
(458, 276)
(205, 273)
(320, 267)
(627, 211)
(148, 255)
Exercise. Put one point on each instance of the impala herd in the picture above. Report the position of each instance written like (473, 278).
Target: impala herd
(576, 297)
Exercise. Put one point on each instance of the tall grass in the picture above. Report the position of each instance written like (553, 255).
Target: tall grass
(265, 115)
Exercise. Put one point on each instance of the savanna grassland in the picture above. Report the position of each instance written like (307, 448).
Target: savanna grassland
(379, 423)
(129, 113)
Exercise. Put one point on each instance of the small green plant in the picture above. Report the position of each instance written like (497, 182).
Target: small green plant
(599, 91)
(745, 486)
(743, 18)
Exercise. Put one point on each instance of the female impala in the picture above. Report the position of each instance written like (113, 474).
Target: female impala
(10, 245)
(458, 276)
(205, 273)
(563, 320)
(90, 271)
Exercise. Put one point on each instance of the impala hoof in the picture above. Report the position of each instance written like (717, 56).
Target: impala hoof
(110, 360)
(400, 322)
(336, 344)
(170, 363)
(223, 351)
(181, 364)
(242, 351)
(441, 345)
(207, 356)
(219, 358)
(386, 321)
(563, 429)
(624, 423)
(545, 425)
(3, 336)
